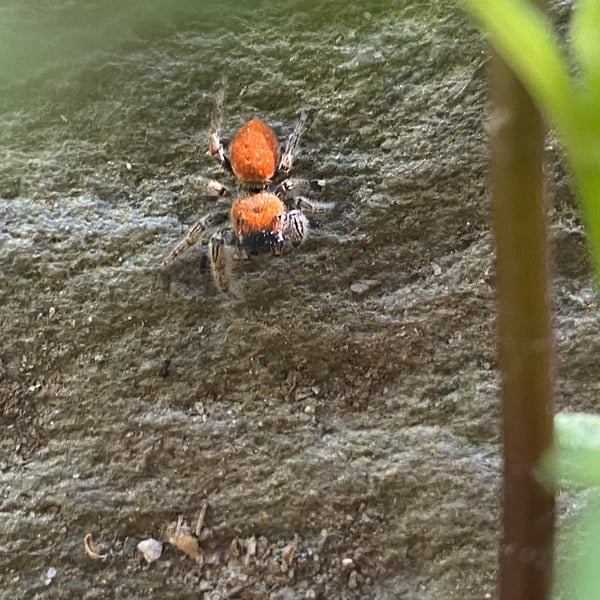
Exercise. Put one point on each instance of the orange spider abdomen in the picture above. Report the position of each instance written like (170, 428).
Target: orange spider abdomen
(254, 152)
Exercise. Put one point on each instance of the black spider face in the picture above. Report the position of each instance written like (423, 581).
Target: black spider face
(262, 242)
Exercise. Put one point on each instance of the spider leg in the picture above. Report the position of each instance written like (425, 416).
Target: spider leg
(214, 188)
(312, 206)
(210, 187)
(300, 203)
(295, 227)
(191, 238)
(291, 147)
(293, 186)
(220, 261)
(215, 145)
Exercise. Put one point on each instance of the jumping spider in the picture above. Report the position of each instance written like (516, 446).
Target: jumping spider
(264, 219)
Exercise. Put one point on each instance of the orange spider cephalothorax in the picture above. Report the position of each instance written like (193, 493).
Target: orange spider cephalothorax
(258, 222)
(254, 153)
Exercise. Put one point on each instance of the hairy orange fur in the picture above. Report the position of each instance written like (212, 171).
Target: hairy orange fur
(260, 212)
(254, 152)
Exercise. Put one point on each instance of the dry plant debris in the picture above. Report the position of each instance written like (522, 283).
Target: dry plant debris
(183, 538)
(92, 549)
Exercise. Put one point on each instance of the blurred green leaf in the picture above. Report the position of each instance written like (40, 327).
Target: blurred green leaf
(585, 36)
(575, 461)
(523, 37)
(577, 572)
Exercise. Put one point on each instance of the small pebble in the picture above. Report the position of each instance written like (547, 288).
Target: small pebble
(50, 575)
(387, 144)
(353, 580)
(151, 549)
(363, 285)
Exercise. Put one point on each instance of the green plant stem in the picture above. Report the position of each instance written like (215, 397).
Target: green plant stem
(525, 335)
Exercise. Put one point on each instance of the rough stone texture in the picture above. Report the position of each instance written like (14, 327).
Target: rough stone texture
(341, 422)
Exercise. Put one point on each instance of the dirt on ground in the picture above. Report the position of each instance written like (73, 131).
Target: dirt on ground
(340, 423)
